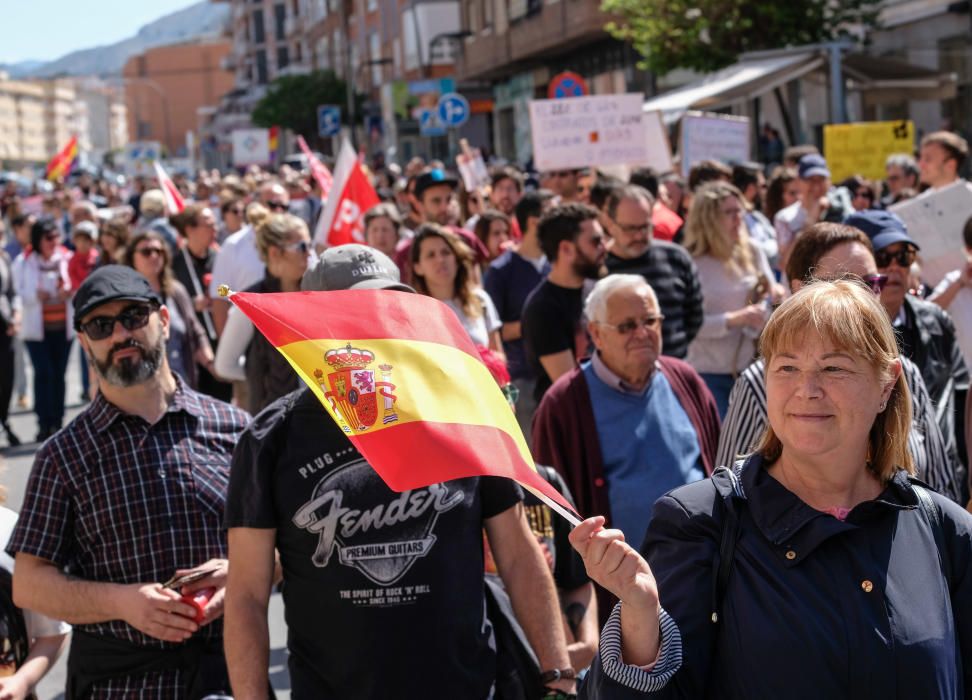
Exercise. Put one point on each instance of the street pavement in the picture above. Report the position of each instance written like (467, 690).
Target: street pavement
(17, 463)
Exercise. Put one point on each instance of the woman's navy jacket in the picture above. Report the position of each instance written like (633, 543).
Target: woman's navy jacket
(814, 608)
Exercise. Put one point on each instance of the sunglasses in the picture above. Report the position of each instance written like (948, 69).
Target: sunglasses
(630, 326)
(131, 318)
(149, 252)
(875, 282)
(904, 257)
(300, 246)
(277, 206)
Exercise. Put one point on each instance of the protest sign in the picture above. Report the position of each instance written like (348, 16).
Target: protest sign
(251, 147)
(659, 148)
(707, 136)
(138, 157)
(472, 167)
(935, 221)
(582, 132)
(861, 148)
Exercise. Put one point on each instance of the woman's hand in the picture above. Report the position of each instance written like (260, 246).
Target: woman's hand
(611, 562)
(752, 316)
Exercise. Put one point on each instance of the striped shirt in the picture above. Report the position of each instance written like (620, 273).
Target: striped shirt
(745, 422)
(112, 498)
(647, 679)
(671, 272)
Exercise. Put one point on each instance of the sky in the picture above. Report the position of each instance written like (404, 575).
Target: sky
(47, 29)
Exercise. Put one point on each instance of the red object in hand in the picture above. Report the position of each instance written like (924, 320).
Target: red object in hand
(199, 600)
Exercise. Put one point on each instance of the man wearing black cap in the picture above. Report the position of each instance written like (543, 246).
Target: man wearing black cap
(383, 591)
(925, 333)
(129, 494)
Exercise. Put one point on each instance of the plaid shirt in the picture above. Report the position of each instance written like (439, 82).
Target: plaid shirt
(114, 499)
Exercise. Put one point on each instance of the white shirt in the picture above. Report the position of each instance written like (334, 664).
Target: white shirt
(237, 263)
(478, 327)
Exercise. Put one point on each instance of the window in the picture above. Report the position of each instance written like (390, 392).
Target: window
(261, 67)
(323, 53)
(280, 19)
(487, 14)
(374, 50)
(283, 57)
(258, 35)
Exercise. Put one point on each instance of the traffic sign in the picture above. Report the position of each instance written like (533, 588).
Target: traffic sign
(453, 109)
(566, 84)
(328, 120)
(429, 123)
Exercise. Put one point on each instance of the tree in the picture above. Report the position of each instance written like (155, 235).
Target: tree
(292, 101)
(705, 35)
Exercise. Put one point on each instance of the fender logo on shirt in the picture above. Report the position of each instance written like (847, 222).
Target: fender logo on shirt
(379, 536)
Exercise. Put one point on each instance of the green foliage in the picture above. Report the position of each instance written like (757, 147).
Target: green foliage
(705, 35)
(292, 100)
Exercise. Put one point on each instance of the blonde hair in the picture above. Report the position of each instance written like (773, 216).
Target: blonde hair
(151, 204)
(274, 231)
(255, 214)
(850, 316)
(704, 234)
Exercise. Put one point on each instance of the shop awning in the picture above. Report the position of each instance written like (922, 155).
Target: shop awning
(879, 80)
(741, 81)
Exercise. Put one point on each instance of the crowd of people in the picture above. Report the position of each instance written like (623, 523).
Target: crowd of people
(742, 374)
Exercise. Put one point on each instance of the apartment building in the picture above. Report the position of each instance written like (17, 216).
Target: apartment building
(36, 119)
(167, 85)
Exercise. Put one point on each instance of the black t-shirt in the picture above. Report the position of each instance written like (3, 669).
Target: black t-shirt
(551, 324)
(383, 591)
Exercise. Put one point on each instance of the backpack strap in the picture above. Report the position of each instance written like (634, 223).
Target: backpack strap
(933, 517)
(729, 487)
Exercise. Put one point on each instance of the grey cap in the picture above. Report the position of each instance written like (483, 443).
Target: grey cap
(353, 266)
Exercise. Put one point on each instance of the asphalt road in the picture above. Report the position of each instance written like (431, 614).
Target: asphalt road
(17, 463)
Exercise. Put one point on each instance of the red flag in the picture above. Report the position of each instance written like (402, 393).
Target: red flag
(400, 376)
(357, 197)
(61, 164)
(174, 202)
(318, 169)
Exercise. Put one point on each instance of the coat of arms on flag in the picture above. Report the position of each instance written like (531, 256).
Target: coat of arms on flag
(354, 390)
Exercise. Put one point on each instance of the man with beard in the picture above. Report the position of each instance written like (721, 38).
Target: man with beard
(553, 335)
(130, 494)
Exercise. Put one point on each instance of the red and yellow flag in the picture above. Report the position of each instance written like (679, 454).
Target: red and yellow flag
(400, 376)
(60, 165)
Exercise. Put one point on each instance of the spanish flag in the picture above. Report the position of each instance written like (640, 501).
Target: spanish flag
(61, 164)
(402, 379)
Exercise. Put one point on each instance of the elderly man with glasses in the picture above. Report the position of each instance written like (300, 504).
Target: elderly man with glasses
(629, 424)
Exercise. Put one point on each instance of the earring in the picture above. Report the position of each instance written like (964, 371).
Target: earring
(883, 406)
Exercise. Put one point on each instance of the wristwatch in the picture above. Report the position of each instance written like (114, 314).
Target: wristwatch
(557, 674)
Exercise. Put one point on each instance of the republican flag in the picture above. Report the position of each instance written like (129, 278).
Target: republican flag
(60, 165)
(174, 202)
(318, 170)
(402, 379)
(350, 196)
(273, 141)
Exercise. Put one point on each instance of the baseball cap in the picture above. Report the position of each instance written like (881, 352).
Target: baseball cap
(353, 266)
(811, 165)
(433, 178)
(111, 283)
(882, 227)
(86, 228)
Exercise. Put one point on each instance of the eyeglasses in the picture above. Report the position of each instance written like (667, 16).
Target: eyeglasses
(562, 173)
(636, 228)
(149, 252)
(235, 210)
(132, 318)
(630, 326)
(277, 206)
(904, 257)
(52, 237)
(300, 246)
(875, 282)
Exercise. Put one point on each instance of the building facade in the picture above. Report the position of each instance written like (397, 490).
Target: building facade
(166, 86)
(37, 118)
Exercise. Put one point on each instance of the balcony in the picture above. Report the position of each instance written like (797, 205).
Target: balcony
(553, 29)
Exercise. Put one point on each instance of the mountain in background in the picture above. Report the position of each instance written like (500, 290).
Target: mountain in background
(196, 21)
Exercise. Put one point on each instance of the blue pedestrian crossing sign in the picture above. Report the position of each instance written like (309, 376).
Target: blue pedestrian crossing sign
(430, 124)
(328, 120)
(453, 109)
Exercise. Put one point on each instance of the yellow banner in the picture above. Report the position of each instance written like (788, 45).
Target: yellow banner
(861, 148)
